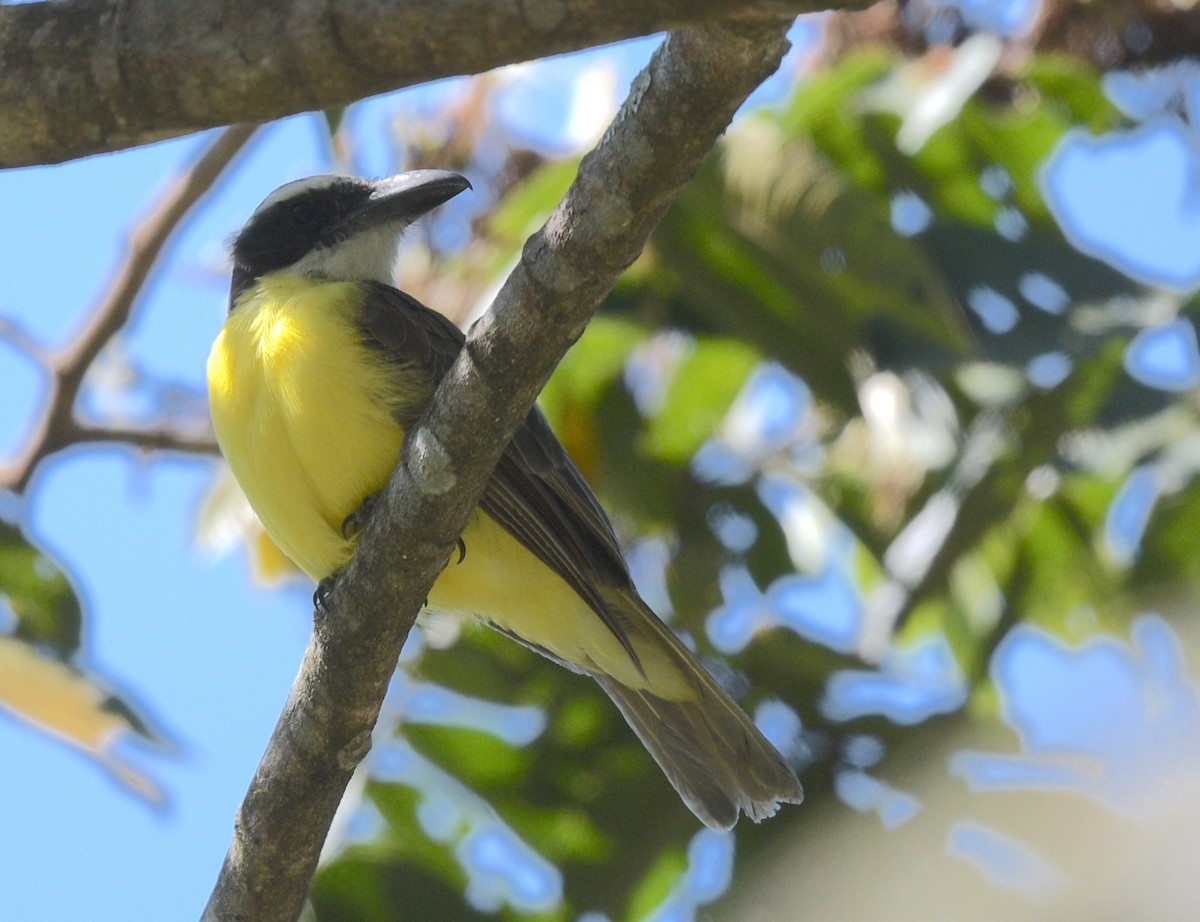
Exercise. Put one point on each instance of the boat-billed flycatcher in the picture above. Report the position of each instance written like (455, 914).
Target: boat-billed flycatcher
(318, 369)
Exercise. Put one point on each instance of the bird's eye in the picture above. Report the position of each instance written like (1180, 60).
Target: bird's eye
(303, 213)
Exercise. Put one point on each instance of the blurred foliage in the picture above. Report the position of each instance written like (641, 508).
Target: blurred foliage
(39, 682)
(787, 249)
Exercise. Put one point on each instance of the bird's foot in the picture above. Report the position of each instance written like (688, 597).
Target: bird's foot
(357, 520)
(322, 593)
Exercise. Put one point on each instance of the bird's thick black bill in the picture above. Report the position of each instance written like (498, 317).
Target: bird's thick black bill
(402, 198)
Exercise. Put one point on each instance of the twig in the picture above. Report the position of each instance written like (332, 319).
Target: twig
(676, 109)
(150, 438)
(18, 337)
(57, 427)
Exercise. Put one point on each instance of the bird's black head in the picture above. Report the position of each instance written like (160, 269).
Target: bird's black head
(336, 227)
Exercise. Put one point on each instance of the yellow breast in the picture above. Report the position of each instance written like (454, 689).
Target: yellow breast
(302, 411)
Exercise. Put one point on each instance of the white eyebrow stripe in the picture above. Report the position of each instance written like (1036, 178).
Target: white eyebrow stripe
(298, 187)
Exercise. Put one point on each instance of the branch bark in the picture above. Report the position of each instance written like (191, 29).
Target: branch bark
(57, 427)
(676, 110)
(87, 76)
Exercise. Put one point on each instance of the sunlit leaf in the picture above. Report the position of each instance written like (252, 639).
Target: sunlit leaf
(63, 701)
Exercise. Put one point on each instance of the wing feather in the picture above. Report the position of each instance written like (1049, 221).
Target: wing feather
(536, 493)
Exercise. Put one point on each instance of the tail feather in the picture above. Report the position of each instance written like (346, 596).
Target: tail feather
(710, 751)
(715, 758)
(706, 745)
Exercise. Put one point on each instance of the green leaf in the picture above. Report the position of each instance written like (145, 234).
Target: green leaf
(479, 759)
(40, 594)
(700, 394)
(591, 366)
(1072, 86)
(656, 883)
(527, 207)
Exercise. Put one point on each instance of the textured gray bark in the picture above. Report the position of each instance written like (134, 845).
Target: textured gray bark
(676, 110)
(87, 76)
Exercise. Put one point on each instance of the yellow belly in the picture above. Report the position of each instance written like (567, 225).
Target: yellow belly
(303, 412)
(506, 584)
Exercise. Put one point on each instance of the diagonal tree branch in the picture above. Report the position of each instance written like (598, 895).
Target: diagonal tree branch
(676, 110)
(57, 427)
(86, 76)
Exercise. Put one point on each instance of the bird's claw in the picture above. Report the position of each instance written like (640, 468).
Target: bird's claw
(322, 593)
(356, 520)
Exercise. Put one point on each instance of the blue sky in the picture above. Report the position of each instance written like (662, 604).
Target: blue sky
(210, 656)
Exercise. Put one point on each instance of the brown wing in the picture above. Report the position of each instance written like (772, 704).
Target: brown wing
(536, 493)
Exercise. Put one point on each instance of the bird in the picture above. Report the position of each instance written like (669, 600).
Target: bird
(320, 367)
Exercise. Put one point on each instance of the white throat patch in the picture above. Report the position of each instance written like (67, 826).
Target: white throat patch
(368, 256)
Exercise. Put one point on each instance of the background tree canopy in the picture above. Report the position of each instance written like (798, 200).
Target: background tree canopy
(897, 411)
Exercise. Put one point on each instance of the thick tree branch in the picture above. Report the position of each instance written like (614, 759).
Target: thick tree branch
(86, 76)
(676, 110)
(57, 428)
